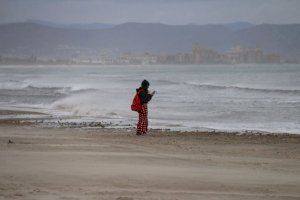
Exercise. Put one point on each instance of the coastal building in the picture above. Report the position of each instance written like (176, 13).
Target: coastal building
(202, 55)
(183, 58)
(238, 55)
(197, 55)
(141, 59)
(272, 58)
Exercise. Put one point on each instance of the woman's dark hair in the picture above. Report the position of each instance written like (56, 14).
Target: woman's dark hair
(145, 84)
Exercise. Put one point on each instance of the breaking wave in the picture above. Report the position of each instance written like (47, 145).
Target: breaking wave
(30, 88)
(244, 89)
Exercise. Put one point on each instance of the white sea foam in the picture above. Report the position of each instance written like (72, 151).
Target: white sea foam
(88, 104)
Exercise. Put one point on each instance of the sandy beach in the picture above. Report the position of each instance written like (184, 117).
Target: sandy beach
(102, 163)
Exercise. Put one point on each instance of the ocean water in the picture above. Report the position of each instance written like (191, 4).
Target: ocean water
(188, 97)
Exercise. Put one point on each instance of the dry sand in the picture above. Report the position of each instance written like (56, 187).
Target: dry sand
(71, 164)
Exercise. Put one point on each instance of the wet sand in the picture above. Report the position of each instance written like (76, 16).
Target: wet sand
(18, 112)
(102, 163)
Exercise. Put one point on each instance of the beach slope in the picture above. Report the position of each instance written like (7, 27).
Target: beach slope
(70, 164)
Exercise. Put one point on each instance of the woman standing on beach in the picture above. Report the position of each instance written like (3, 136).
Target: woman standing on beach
(145, 97)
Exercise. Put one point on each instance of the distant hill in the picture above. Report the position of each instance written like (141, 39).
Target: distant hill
(235, 26)
(91, 26)
(282, 39)
(61, 42)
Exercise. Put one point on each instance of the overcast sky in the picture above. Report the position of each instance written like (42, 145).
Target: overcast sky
(163, 11)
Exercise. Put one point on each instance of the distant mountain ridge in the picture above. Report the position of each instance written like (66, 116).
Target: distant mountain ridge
(90, 26)
(93, 26)
(235, 26)
(61, 42)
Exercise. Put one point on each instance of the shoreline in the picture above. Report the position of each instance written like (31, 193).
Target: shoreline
(43, 120)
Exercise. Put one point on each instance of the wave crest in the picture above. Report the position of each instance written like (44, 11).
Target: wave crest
(245, 89)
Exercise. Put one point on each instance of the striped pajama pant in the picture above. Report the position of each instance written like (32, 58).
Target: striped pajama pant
(142, 126)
